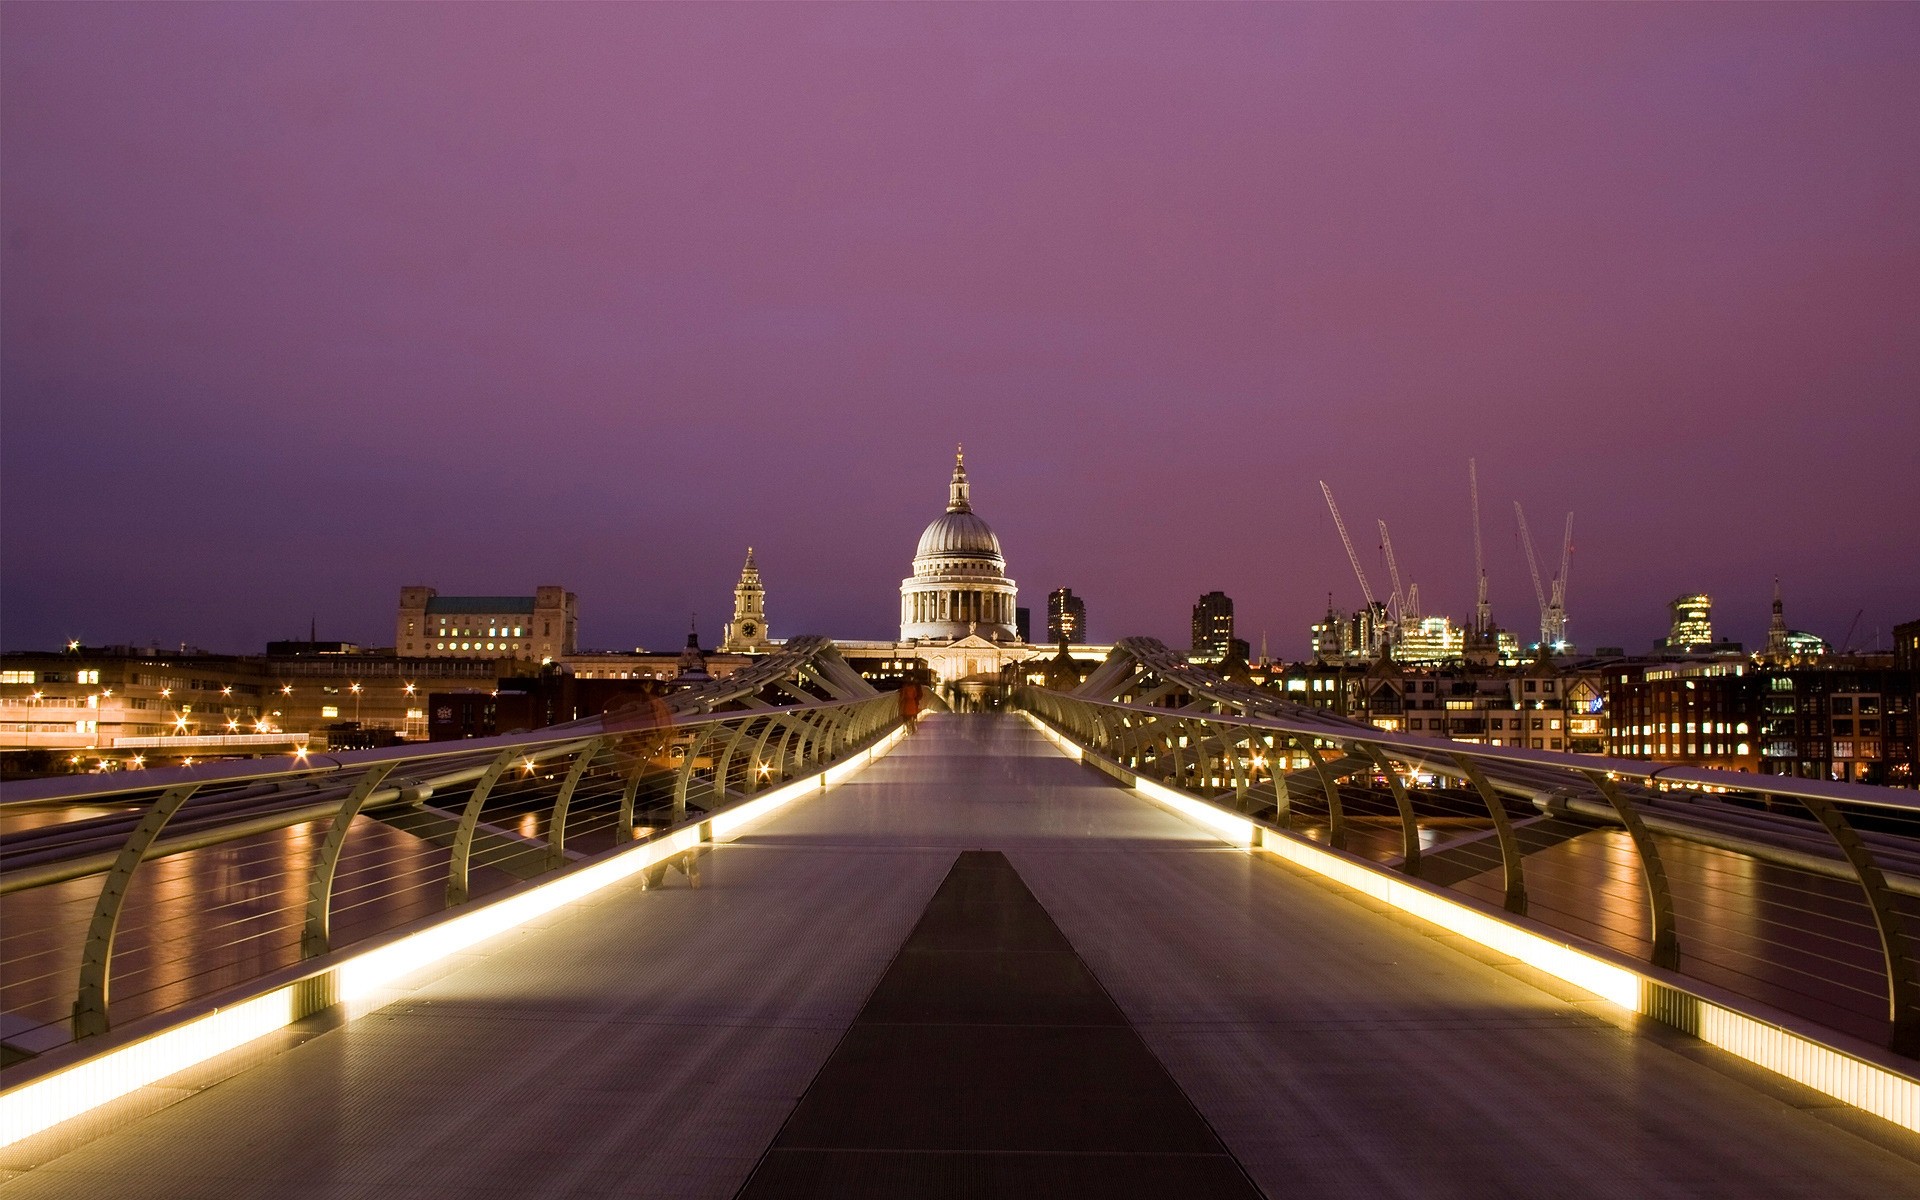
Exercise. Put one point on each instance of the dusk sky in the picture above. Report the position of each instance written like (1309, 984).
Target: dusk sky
(303, 303)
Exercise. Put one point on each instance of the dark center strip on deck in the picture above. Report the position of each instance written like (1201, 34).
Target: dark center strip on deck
(990, 1062)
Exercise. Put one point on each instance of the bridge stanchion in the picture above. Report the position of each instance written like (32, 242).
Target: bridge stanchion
(789, 727)
(1242, 766)
(1903, 989)
(458, 888)
(627, 795)
(1336, 812)
(1282, 792)
(1516, 883)
(563, 799)
(96, 957)
(1666, 942)
(686, 773)
(757, 766)
(316, 929)
(1409, 828)
(725, 764)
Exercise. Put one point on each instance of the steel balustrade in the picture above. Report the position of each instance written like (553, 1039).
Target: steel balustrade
(1797, 833)
(591, 781)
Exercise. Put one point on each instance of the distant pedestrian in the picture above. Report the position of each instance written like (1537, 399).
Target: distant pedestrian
(909, 704)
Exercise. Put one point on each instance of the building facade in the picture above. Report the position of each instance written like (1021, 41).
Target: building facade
(747, 632)
(1066, 617)
(537, 628)
(1212, 627)
(959, 586)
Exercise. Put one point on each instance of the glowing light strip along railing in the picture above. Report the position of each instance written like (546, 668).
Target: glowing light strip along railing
(358, 976)
(1804, 1056)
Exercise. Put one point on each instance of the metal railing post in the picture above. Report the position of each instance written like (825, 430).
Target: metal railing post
(314, 933)
(726, 760)
(759, 759)
(1666, 942)
(1903, 990)
(1282, 792)
(1516, 884)
(1409, 829)
(457, 876)
(562, 800)
(791, 725)
(627, 796)
(686, 774)
(1336, 813)
(96, 957)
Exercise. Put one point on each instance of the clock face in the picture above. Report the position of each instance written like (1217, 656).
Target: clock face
(747, 629)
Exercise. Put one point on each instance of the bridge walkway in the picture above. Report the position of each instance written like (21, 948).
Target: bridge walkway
(692, 1041)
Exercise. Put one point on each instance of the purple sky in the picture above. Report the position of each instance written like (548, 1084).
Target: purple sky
(306, 302)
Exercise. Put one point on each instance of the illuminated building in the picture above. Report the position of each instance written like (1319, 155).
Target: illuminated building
(1430, 640)
(1212, 627)
(538, 628)
(1789, 647)
(1066, 617)
(959, 586)
(1692, 626)
(747, 632)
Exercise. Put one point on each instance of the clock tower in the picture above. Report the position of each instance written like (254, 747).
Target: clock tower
(747, 632)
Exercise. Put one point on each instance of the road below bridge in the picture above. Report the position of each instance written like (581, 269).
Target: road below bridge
(845, 1005)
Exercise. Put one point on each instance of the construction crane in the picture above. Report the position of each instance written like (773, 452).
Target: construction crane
(1557, 607)
(1482, 610)
(1553, 612)
(1404, 605)
(1359, 573)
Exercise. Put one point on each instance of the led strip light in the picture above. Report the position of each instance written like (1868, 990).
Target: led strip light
(1799, 1057)
(43, 1103)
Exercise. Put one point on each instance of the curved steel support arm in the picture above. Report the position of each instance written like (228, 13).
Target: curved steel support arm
(1666, 942)
(457, 881)
(1516, 884)
(1336, 814)
(725, 764)
(757, 766)
(1409, 829)
(90, 1003)
(686, 773)
(314, 934)
(1903, 989)
(563, 800)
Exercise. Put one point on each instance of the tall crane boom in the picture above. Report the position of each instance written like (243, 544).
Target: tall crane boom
(1352, 557)
(1482, 610)
(1533, 567)
(1558, 613)
(1359, 573)
(1399, 603)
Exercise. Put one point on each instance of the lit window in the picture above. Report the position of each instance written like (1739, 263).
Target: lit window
(329, 710)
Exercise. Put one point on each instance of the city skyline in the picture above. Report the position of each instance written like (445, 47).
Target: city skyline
(289, 327)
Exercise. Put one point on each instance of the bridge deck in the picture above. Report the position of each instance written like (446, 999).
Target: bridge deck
(658, 1042)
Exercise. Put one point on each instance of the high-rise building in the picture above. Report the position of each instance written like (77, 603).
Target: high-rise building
(1692, 621)
(747, 632)
(1066, 617)
(1213, 626)
(539, 627)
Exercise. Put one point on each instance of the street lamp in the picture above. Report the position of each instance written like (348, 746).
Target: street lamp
(355, 689)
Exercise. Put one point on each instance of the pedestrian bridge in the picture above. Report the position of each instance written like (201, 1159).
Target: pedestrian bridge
(970, 964)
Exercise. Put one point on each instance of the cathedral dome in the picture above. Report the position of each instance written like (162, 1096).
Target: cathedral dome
(959, 586)
(959, 534)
